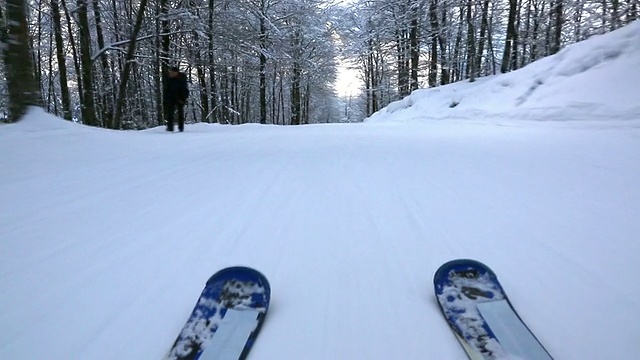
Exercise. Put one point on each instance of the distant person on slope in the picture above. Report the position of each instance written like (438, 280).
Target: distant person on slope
(176, 93)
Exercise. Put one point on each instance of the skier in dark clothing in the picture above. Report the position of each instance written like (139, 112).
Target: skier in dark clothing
(175, 97)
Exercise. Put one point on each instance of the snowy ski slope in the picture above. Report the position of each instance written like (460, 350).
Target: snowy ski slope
(107, 238)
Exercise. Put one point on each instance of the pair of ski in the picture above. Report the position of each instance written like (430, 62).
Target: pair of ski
(231, 309)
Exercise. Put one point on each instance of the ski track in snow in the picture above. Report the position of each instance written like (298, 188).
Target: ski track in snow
(108, 238)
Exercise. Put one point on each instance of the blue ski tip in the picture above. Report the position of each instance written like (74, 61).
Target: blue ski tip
(462, 267)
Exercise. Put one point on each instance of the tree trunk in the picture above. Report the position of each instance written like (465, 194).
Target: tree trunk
(36, 53)
(88, 108)
(127, 66)
(164, 51)
(263, 63)
(60, 56)
(536, 33)
(74, 52)
(157, 67)
(202, 81)
(526, 37)
(456, 51)
(107, 94)
(433, 61)
(415, 47)
(511, 36)
(484, 25)
(402, 56)
(557, 35)
(213, 88)
(21, 81)
(296, 99)
(516, 40)
(51, 101)
(471, 44)
(446, 65)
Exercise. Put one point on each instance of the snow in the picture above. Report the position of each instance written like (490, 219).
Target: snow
(107, 238)
(590, 80)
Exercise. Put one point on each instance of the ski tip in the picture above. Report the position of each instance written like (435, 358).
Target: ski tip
(243, 273)
(460, 265)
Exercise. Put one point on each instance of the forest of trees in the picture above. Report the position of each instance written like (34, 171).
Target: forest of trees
(102, 62)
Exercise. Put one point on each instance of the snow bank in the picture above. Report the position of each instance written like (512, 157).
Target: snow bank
(592, 79)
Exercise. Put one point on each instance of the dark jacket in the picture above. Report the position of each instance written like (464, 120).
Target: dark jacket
(177, 90)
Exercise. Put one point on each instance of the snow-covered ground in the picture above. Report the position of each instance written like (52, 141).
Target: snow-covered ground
(592, 80)
(107, 238)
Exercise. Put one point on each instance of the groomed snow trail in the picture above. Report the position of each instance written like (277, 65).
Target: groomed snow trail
(108, 237)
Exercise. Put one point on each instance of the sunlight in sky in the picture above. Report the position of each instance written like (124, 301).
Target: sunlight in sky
(347, 84)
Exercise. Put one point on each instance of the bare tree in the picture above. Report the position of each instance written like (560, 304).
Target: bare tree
(87, 105)
(127, 67)
(512, 36)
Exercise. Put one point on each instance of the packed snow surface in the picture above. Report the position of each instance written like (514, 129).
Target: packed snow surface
(107, 238)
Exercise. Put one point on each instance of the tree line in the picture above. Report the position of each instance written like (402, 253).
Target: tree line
(398, 46)
(102, 62)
